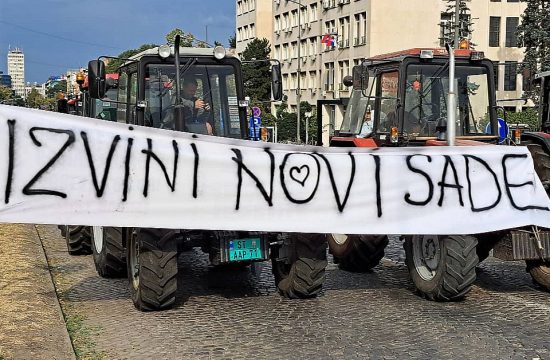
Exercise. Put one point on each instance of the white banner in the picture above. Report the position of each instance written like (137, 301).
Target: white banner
(64, 169)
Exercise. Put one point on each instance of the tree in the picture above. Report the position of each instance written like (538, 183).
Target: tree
(57, 87)
(217, 43)
(256, 75)
(114, 64)
(534, 35)
(186, 40)
(35, 99)
(465, 23)
(5, 93)
(232, 41)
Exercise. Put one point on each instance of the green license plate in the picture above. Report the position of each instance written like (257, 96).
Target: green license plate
(245, 249)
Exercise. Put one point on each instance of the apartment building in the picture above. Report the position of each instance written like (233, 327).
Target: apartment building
(254, 20)
(16, 69)
(357, 29)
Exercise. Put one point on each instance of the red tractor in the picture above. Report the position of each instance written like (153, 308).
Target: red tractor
(401, 99)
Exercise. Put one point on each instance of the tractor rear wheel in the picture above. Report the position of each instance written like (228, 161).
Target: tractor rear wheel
(443, 268)
(541, 160)
(109, 252)
(152, 268)
(303, 274)
(357, 253)
(540, 272)
(78, 239)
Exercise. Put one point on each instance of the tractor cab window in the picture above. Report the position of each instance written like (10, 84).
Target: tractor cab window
(426, 92)
(208, 95)
(358, 117)
(388, 87)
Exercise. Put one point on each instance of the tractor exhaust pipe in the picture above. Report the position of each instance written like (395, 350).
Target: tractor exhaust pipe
(179, 121)
(451, 113)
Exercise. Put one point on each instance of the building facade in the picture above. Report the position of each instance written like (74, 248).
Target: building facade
(5, 80)
(16, 69)
(319, 42)
(254, 20)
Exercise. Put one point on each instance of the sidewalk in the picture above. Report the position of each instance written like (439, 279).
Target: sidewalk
(31, 322)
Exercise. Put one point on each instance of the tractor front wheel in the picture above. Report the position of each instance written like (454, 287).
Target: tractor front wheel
(152, 268)
(540, 272)
(302, 274)
(78, 239)
(108, 251)
(443, 268)
(357, 253)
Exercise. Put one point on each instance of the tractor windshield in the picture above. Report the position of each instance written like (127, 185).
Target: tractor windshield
(208, 95)
(426, 90)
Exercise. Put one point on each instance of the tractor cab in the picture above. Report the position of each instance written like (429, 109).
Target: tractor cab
(198, 90)
(401, 99)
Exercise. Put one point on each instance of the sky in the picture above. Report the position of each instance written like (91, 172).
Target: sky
(56, 35)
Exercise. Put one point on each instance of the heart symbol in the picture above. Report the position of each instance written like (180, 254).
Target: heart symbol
(297, 175)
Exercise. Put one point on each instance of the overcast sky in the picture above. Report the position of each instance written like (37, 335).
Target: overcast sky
(57, 35)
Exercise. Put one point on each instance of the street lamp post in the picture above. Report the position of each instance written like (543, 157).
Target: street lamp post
(298, 90)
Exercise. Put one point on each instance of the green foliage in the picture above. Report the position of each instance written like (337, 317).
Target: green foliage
(58, 86)
(287, 122)
(257, 75)
(186, 40)
(114, 64)
(217, 43)
(465, 22)
(35, 100)
(232, 41)
(529, 117)
(5, 93)
(534, 35)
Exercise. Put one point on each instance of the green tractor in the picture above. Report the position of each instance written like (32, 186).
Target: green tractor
(153, 88)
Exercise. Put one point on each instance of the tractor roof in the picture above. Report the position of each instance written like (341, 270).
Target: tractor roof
(184, 51)
(415, 52)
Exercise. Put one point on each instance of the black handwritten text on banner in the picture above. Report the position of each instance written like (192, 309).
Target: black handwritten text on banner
(63, 169)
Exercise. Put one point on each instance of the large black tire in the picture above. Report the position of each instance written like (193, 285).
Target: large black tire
(108, 252)
(79, 240)
(63, 229)
(152, 268)
(541, 160)
(443, 268)
(304, 276)
(357, 253)
(540, 272)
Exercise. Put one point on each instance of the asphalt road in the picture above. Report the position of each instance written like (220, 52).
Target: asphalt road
(237, 314)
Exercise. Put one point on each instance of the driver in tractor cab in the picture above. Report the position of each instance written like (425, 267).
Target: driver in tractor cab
(197, 111)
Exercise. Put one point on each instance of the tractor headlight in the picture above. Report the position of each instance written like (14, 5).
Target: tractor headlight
(164, 51)
(219, 52)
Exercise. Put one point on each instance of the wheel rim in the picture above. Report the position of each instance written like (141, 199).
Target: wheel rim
(340, 239)
(426, 255)
(98, 238)
(133, 260)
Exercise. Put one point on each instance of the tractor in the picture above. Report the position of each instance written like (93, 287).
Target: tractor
(149, 94)
(401, 99)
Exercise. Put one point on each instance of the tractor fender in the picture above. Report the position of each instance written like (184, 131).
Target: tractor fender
(540, 138)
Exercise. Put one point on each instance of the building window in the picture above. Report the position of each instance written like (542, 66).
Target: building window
(510, 75)
(511, 31)
(360, 31)
(329, 79)
(294, 17)
(294, 47)
(344, 71)
(494, 31)
(313, 12)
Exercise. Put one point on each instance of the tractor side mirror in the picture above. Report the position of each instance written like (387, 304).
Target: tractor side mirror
(360, 77)
(276, 82)
(96, 79)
